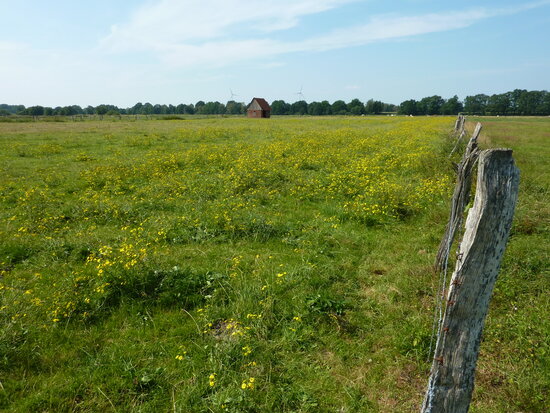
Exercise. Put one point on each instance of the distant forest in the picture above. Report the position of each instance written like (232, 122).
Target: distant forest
(518, 102)
(279, 107)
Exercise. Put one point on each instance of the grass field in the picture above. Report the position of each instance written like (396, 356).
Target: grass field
(235, 265)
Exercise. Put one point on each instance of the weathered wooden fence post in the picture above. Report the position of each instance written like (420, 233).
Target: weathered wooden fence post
(461, 197)
(459, 124)
(460, 131)
(487, 228)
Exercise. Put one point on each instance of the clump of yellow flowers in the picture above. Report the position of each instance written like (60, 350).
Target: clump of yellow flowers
(248, 384)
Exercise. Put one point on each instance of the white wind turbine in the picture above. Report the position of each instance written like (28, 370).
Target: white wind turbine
(300, 94)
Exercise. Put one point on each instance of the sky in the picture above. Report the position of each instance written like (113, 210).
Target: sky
(65, 52)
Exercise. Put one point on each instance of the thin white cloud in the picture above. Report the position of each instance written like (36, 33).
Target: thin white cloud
(162, 24)
(210, 32)
(389, 27)
(220, 53)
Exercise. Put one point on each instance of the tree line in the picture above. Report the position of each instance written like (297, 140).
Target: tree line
(279, 107)
(339, 107)
(518, 102)
(202, 108)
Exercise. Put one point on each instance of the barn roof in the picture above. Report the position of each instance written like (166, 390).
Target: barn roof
(262, 102)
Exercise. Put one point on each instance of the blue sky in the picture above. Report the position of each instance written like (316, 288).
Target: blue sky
(65, 52)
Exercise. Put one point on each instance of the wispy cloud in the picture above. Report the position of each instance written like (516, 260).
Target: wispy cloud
(199, 32)
(166, 23)
(387, 27)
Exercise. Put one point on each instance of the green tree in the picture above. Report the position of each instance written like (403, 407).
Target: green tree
(212, 108)
(326, 108)
(299, 108)
(77, 110)
(101, 110)
(339, 107)
(545, 104)
(530, 103)
(68, 111)
(280, 107)
(476, 105)
(452, 106)
(369, 107)
(315, 109)
(136, 109)
(515, 98)
(356, 107)
(234, 108)
(408, 107)
(498, 104)
(147, 109)
(35, 110)
(431, 105)
(198, 106)
(389, 107)
(13, 109)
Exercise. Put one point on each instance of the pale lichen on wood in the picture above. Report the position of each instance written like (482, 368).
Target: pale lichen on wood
(460, 199)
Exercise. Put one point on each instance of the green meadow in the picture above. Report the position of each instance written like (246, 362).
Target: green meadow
(239, 265)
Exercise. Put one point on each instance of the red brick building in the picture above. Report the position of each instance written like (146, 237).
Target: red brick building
(259, 108)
